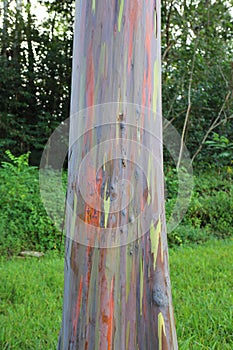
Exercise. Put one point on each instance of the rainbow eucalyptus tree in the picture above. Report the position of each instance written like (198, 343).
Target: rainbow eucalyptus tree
(117, 291)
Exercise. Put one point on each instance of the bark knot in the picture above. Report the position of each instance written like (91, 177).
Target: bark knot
(159, 297)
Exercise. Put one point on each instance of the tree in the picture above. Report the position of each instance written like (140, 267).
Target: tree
(35, 74)
(197, 70)
(117, 289)
(5, 27)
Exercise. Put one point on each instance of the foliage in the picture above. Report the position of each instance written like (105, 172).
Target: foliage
(221, 149)
(213, 213)
(187, 234)
(35, 75)
(35, 72)
(24, 222)
(197, 63)
(171, 182)
(31, 298)
(210, 210)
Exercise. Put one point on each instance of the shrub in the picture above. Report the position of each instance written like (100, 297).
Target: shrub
(24, 222)
(210, 210)
(186, 234)
(212, 205)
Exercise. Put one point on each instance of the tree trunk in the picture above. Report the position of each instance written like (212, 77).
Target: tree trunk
(18, 35)
(117, 291)
(31, 87)
(5, 27)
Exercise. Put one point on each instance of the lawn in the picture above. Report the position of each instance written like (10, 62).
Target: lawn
(203, 295)
(31, 298)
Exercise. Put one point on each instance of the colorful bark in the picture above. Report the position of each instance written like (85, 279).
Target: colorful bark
(120, 297)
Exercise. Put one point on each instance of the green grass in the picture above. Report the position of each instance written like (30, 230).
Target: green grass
(31, 299)
(31, 303)
(202, 295)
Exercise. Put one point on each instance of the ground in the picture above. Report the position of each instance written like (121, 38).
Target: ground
(31, 298)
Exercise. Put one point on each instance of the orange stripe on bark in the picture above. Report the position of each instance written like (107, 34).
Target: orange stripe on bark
(92, 215)
(133, 15)
(111, 314)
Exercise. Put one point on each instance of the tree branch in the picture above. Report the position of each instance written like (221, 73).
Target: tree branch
(188, 109)
(214, 125)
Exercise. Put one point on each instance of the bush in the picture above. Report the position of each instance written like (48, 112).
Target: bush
(210, 211)
(212, 205)
(25, 225)
(24, 222)
(186, 234)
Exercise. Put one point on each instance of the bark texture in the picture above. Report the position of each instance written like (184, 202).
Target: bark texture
(120, 297)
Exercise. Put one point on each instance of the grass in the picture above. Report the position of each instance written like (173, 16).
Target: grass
(31, 303)
(202, 295)
(31, 299)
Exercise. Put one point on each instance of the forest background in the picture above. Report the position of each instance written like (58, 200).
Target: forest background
(35, 81)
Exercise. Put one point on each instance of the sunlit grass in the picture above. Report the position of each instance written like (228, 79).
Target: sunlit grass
(31, 303)
(31, 299)
(202, 295)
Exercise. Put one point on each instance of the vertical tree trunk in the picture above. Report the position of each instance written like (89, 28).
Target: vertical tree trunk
(18, 35)
(30, 46)
(117, 288)
(5, 26)
(31, 87)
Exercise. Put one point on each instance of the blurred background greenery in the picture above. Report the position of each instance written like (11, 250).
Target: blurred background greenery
(35, 80)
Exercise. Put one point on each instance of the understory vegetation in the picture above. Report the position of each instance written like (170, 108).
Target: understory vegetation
(25, 224)
(36, 40)
(32, 290)
(35, 73)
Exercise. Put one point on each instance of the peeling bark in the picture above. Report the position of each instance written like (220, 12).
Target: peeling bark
(119, 297)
